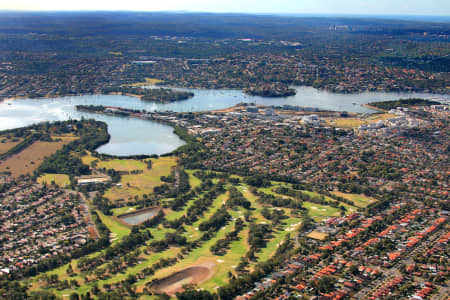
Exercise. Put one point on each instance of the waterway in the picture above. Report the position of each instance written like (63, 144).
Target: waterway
(133, 136)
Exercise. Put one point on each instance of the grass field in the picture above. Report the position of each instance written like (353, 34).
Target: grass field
(29, 159)
(320, 212)
(148, 81)
(172, 215)
(61, 180)
(88, 158)
(118, 230)
(350, 208)
(316, 211)
(193, 181)
(135, 184)
(123, 210)
(7, 144)
(356, 122)
(358, 199)
(289, 227)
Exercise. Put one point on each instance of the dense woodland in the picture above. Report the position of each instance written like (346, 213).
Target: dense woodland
(152, 94)
(92, 135)
(387, 105)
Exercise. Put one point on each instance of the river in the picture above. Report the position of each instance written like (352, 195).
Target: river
(134, 136)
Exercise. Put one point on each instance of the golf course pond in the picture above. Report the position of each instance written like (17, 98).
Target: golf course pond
(137, 217)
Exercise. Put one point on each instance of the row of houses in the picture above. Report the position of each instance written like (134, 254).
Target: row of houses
(37, 223)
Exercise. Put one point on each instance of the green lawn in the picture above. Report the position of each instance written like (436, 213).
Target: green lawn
(230, 260)
(350, 208)
(320, 212)
(359, 200)
(134, 184)
(193, 181)
(118, 230)
(172, 215)
(123, 210)
(61, 180)
(191, 231)
(289, 227)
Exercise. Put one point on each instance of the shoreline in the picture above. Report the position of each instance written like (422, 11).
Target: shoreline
(143, 156)
(139, 212)
(374, 108)
(205, 88)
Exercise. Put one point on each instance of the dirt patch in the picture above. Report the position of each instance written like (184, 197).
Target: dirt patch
(192, 275)
(317, 235)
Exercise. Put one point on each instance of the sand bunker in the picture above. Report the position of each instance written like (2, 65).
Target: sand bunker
(192, 275)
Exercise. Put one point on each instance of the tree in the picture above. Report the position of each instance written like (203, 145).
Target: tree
(69, 270)
(74, 296)
(325, 284)
(196, 295)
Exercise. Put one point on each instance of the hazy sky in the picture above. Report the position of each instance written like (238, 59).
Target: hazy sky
(415, 7)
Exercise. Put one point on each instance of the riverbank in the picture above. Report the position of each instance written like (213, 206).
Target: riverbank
(180, 132)
(374, 108)
(153, 84)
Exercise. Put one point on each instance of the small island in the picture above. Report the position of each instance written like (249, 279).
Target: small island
(387, 105)
(161, 95)
(272, 91)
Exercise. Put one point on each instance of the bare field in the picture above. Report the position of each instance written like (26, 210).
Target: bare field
(7, 144)
(29, 159)
(317, 235)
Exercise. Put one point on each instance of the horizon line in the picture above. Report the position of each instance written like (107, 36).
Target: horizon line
(230, 12)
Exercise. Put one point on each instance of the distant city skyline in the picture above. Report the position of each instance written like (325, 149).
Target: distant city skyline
(357, 7)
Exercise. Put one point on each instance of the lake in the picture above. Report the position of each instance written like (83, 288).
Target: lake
(134, 136)
(138, 217)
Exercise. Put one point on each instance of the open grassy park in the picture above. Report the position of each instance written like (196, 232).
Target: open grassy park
(355, 122)
(132, 185)
(217, 267)
(358, 199)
